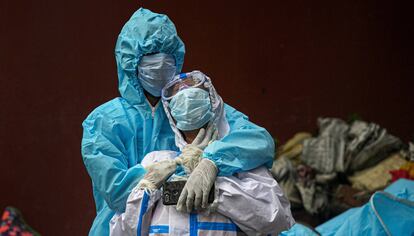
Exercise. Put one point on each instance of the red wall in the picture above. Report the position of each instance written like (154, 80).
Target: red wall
(284, 63)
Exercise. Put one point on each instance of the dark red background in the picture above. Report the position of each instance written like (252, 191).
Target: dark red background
(284, 63)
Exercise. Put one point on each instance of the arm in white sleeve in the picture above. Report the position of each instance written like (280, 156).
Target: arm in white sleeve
(254, 202)
(138, 214)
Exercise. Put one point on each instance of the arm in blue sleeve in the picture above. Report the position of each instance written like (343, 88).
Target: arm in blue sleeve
(105, 158)
(246, 147)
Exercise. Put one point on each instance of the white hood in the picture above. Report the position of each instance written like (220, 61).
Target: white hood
(219, 119)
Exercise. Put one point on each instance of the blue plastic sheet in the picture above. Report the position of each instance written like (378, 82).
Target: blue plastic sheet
(390, 212)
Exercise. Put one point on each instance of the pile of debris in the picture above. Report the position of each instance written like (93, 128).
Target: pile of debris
(340, 167)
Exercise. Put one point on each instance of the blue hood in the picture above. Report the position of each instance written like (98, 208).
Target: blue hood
(145, 32)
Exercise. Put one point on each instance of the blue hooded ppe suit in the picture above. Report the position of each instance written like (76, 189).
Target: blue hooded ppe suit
(118, 134)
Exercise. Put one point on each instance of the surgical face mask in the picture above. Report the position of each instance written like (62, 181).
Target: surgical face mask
(191, 108)
(155, 71)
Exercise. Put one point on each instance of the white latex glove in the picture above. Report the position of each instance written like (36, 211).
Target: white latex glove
(157, 173)
(204, 138)
(196, 190)
(192, 153)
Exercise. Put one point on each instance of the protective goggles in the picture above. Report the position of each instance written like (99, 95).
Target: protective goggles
(183, 81)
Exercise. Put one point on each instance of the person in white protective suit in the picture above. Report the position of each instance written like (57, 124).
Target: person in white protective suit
(249, 202)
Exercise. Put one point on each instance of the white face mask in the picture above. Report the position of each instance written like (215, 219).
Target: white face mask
(155, 71)
(191, 108)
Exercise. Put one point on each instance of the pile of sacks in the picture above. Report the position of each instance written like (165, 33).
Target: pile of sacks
(341, 166)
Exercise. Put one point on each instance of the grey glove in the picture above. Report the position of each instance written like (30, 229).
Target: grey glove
(204, 138)
(157, 173)
(192, 153)
(196, 190)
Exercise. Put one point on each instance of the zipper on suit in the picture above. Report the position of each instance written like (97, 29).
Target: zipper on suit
(153, 108)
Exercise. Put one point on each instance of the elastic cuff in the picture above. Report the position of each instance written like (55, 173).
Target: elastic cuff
(212, 162)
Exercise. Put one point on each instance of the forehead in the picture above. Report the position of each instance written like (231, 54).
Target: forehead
(190, 81)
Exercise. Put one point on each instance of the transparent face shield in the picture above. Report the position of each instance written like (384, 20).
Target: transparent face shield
(194, 79)
(183, 81)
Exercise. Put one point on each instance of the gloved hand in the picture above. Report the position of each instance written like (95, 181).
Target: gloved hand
(191, 153)
(157, 173)
(196, 190)
(204, 138)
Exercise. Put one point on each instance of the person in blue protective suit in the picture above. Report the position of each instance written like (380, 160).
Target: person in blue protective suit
(119, 133)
